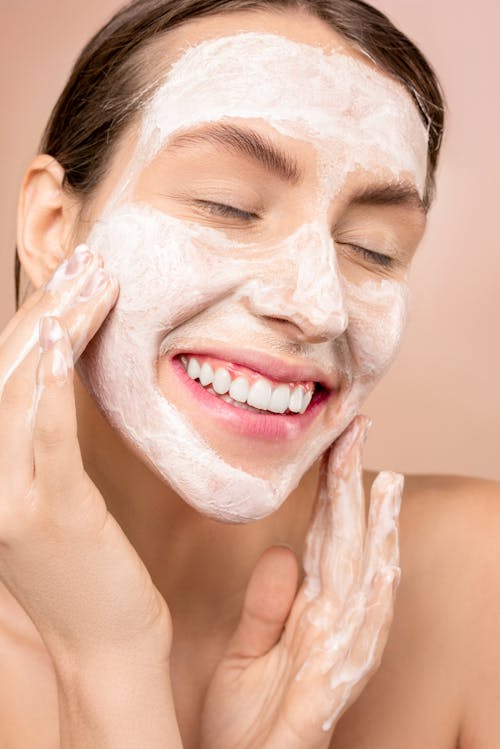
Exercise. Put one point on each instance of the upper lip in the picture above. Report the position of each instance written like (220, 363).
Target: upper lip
(272, 367)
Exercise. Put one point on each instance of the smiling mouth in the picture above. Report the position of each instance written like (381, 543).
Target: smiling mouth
(248, 390)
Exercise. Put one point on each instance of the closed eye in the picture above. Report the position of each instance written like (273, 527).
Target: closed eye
(229, 211)
(220, 209)
(373, 257)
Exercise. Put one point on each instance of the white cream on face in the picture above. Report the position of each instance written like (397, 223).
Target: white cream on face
(172, 271)
(354, 116)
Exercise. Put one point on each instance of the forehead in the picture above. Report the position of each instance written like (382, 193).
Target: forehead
(354, 115)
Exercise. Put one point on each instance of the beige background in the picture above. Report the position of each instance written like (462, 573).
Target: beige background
(438, 410)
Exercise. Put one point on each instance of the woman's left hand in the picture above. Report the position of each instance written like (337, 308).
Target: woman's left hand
(297, 662)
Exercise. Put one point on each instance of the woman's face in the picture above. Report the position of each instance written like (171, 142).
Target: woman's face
(262, 231)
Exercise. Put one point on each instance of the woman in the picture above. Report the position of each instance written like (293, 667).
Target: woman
(245, 184)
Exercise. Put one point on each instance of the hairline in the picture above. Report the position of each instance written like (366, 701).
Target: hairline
(167, 61)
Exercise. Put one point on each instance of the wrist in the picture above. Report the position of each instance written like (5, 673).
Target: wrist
(118, 702)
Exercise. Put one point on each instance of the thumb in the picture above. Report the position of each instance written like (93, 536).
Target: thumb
(268, 600)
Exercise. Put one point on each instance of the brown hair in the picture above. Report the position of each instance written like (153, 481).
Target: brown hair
(105, 89)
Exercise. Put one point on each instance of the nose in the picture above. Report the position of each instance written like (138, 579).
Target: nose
(301, 284)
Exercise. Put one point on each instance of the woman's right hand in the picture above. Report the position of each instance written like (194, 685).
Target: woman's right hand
(297, 661)
(62, 555)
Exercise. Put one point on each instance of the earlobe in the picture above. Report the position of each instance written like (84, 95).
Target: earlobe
(45, 215)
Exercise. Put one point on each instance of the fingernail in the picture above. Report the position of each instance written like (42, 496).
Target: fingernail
(49, 332)
(398, 494)
(95, 284)
(78, 261)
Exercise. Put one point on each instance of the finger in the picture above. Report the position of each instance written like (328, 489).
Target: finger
(335, 539)
(16, 409)
(268, 599)
(55, 298)
(366, 652)
(345, 535)
(361, 657)
(357, 636)
(57, 457)
(368, 638)
(380, 563)
(338, 671)
(312, 549)
(31, 301)
(82, 315)
(382, 540)
(321, 672)
(333, 544)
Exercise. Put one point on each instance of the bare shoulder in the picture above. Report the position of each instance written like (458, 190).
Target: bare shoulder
(440, 511)
(442, 492)
(449, 509)
(439, 681)
(471, 493)
(459, 558)
(450, 531)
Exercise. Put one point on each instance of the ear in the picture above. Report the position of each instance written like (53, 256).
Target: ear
(45, 219)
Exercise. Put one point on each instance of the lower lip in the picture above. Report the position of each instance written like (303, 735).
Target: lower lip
(266, 426)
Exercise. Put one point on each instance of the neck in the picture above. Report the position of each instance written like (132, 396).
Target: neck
(200, 566)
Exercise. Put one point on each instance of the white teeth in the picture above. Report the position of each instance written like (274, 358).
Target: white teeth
(237, 404)
(296, 399)
(239, 390)
(260, 395)
(206, 374)
(222, 381)
(306, 400)
(280, 399)
(193, 369)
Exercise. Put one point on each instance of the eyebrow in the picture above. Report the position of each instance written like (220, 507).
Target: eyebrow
(402, 194)
(246, 142)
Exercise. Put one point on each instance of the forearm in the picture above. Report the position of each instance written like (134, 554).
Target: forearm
(116, 706)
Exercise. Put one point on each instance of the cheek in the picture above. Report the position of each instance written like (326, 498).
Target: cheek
(166, 273)
(169, 272)
(377, 320)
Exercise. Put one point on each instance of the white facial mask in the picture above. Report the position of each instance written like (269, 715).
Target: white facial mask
(178, 278)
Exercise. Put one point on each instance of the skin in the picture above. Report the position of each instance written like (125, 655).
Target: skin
(245, 280)
(169, 551)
